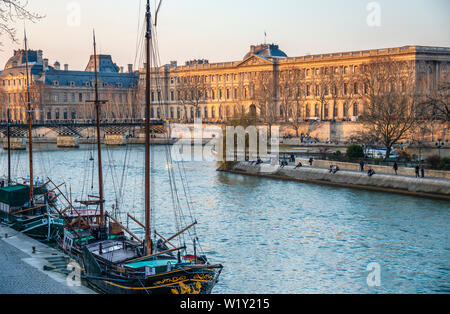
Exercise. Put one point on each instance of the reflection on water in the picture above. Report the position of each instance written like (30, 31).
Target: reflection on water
(276, 236)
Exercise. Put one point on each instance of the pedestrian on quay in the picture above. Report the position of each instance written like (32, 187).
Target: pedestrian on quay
(311, 161)
(361, 165)
(417, 171)
(422, 171)
(395, 168)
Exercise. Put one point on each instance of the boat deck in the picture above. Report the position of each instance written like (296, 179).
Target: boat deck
(114, 251)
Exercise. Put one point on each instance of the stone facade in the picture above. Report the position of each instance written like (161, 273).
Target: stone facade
(216, 91)
(62, 94)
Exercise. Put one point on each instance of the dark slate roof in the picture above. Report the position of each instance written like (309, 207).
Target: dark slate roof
(80, 78)
(104, 64)
(266, 51)
(19, 58)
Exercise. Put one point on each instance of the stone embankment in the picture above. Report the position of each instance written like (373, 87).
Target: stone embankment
(427, 187)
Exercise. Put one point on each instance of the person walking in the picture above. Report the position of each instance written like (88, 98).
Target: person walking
(396, 168)
(422, 172)
(417, 171)
(311, 161)
(361, 165)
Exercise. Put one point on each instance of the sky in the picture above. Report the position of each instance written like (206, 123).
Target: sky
(223, 30)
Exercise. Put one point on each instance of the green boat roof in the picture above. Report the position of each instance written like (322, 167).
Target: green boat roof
(154, 263)
(15, 195)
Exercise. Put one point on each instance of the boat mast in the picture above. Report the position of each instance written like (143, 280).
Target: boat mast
(30, 117)
(9, 144)
(99, 146)
(148, 35)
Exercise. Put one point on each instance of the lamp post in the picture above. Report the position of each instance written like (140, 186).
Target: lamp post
(439, 145)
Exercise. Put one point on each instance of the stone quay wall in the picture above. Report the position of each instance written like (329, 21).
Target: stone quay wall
(428, 187)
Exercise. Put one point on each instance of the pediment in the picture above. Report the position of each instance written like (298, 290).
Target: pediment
(255, 60)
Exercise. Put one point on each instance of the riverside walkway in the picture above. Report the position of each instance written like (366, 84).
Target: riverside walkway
(425, 187)
(22, 271)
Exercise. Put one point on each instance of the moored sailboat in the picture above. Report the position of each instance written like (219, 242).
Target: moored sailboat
(145, 266)
(24, 206)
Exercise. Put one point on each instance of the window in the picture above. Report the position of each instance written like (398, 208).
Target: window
(205, 112)
(316, 110)
(355, 88)
(74, 115)
(65, 115)
(308, 93)
(345, 110)
(228, 94)
(307, 111)
(355, 110)
(49, 115)
(80, 97)
(172, 96)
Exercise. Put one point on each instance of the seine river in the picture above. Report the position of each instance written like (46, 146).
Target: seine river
(274, 236)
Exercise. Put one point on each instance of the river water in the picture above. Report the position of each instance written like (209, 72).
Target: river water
(274, 236)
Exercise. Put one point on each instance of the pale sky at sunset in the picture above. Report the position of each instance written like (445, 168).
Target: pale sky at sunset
(223, 30)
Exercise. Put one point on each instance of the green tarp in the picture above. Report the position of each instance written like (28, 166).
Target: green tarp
(15, 195)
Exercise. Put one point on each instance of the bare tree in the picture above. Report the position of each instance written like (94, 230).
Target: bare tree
(10, 12)
(436, 105)
(288, 80)
(391, 104)
(297, 109)
(323, 83)
(263, 93)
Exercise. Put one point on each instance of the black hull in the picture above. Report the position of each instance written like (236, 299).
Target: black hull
(194, 279)
(185, 281)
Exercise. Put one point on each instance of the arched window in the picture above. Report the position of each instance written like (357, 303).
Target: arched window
(316, 110)
(325, 111)
(205, 110)
(355, 110)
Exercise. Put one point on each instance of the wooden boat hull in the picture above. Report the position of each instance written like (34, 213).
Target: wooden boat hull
(40, 227)
(183, 281)
(190, 279)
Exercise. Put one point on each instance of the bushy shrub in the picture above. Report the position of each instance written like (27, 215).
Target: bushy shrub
(355, 151)
(433, 161)
(444, 164)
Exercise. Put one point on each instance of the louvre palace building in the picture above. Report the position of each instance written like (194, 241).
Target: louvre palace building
(217, 91)
(323, 87)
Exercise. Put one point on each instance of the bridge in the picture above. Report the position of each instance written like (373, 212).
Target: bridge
(69, 131)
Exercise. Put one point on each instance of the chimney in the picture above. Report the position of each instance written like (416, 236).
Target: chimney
(45, 64)
(57, 66)
(66, 67)
(130, 68)
(121, 69)
(39, 56)
(252, 49)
